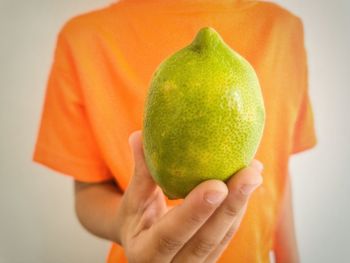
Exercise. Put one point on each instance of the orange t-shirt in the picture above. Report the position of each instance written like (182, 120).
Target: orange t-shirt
(102, 68)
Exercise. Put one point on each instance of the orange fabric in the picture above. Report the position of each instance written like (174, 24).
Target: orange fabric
(103, 64)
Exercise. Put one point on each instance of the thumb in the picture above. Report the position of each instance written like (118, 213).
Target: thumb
(135, 142)
(142, 184)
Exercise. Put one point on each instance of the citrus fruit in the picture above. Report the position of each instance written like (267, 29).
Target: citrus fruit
(204, 115)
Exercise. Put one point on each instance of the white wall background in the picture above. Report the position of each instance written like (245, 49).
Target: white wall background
(37, 221)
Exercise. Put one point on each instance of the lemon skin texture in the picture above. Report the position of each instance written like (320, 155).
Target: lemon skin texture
(204, 115)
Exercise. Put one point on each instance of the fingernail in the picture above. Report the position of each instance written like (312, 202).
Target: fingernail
(214, 197)
(247, 189)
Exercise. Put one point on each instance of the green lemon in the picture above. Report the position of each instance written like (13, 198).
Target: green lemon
(204, 115)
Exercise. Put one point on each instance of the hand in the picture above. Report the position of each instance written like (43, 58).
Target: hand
(198, 230)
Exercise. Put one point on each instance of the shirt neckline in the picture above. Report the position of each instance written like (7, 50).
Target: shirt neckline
(188, 6)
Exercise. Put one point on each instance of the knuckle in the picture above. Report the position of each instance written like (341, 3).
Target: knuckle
(231, 211)
(169, 245)
(195, 219)
(241, 196)
(228, 236)
(235, 205)
(203, 247)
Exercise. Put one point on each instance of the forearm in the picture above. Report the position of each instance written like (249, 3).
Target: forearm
(286, 250)
(96, 206)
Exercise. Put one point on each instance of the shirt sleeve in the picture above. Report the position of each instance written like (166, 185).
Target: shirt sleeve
(65, 140)
(304, 136)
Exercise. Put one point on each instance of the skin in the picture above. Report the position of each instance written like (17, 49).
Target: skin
(140, 221)
(198, 230)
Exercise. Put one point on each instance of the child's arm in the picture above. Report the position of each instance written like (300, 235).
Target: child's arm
(198, 230)
(95, 206)
(286, 249)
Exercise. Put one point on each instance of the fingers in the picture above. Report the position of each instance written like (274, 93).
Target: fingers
(142, 185)
(257, 165)
(173, 231)
(216, 253)
(223, 224)
(135, 141)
